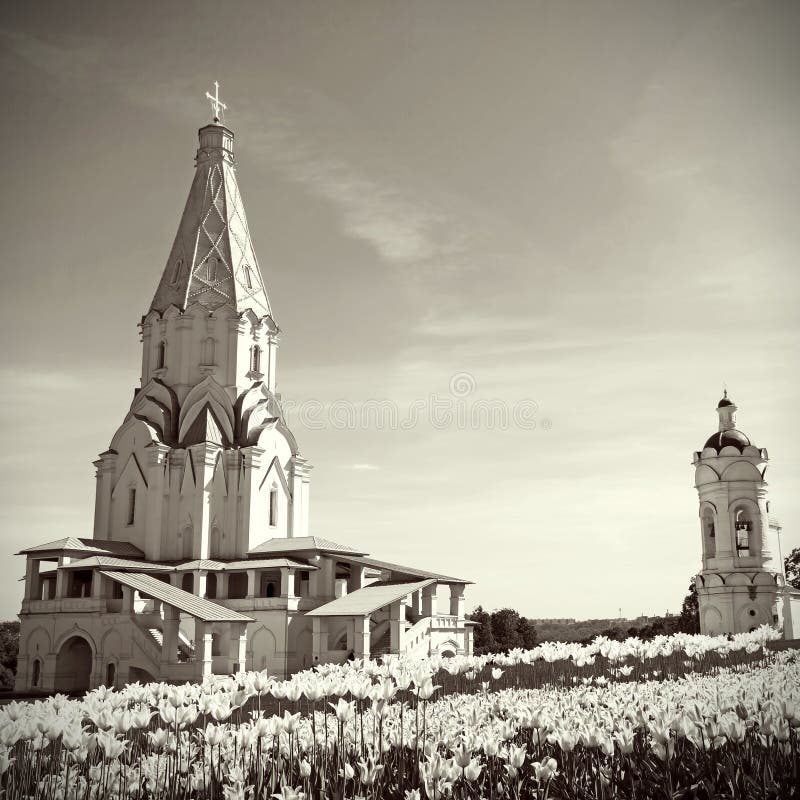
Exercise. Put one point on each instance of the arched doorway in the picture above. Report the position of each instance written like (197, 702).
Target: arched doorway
(74, 666)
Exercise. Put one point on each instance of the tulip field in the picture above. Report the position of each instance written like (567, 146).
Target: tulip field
(676, 717)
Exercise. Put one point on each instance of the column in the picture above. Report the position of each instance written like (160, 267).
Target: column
(62, 578)
(33, 585)
(428, 597)
(416, 603)
(169, 633)
(200, 576)
(252, 588)
(361, 637)
(356, 578)
(127, 600)
(238, 646)
(203, 649)
(97, 584)
(457, 600)
(222, 585)
(397, 626)
(319, 639)
(287, 583)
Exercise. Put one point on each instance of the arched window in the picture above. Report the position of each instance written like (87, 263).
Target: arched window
(209, 348)
(255, 358)
(187, 582)
(161, 356)
(273, 507)
(36, 675)
(188, 543)
(211, 585)
(709, 533)
(131, 506)
(176, 272)
(211, 269)
(743, 526)
(248, 277)
(111, 674)
(216, 645)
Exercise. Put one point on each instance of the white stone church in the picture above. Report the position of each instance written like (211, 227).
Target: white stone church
(742, 584)
(201, 559)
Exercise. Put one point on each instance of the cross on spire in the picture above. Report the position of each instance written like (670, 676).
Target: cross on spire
(216, 104)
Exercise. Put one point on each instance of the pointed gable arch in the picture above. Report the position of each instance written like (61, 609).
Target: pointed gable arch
(207, 393)
(275, 469)
(158, 404)
(131, 474)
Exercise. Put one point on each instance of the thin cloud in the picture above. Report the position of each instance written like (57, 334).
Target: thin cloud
(364, 467)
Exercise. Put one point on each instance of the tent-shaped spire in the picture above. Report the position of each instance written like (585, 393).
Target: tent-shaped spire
(212, 261)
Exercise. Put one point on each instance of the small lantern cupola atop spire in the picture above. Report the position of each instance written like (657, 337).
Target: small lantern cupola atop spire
(726, 409)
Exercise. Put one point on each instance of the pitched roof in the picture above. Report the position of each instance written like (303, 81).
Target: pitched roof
(412, 571)
(117, 563)
(212, 261)
(268, 563)
(251, 563)
(187, 602)
(301, 543)
(100, 546)
(367, 599)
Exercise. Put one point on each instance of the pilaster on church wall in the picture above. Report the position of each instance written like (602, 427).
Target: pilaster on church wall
(252, 517)
(204, 457)
(179, 504)
(157, 494)
(230, 517)
(104, 476)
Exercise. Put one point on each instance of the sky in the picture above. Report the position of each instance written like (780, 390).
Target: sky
(582, 214)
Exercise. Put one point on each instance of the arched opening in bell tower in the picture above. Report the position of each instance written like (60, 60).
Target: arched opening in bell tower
(709, 532)
(743, 526)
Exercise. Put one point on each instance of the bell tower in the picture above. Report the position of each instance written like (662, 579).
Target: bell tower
(741, 579)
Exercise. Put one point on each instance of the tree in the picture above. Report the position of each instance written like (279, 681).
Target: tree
(484, 639)
(501, 631)
(689, 620)
(791, 565)
(9, 648)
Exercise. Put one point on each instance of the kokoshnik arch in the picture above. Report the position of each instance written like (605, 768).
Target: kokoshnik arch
(201, 559)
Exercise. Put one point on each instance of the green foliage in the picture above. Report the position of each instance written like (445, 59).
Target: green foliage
(501, 631)
(9, 648)
(689, 620)
(792, 566)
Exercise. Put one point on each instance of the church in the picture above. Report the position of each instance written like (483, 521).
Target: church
(202, 559)
(742, 584)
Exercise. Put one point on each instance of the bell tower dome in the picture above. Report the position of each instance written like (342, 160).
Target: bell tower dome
(738, 585)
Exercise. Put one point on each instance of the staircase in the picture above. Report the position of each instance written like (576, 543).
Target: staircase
(380, 647)
(185, 647)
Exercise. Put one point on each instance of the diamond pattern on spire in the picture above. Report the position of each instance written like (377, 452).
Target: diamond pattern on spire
(212, 261)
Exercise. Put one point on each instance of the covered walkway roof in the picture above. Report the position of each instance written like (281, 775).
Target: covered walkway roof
(368, 599)
(187, 602)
